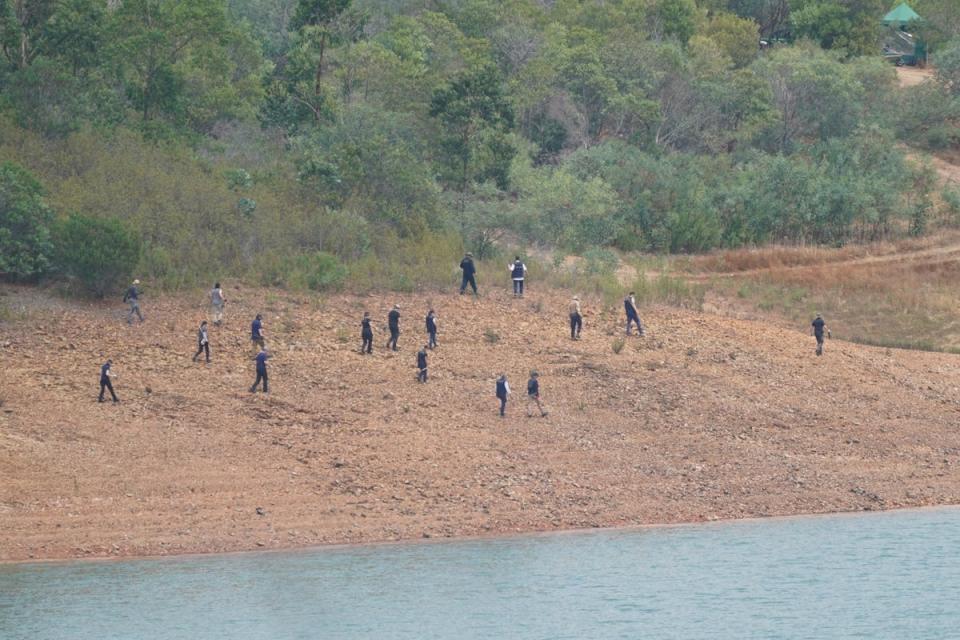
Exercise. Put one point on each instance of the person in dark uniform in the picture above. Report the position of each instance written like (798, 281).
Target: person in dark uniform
(422, 364)
(432, 329)
(533, 394)
(518, 271)
(393, 322)
(203, 342)
(633, 316)
(133, 297)
(256, 332)
(469, 271)
(366, 333)
(503, 391)
(105, 385)
(261, 360)
(818, 328)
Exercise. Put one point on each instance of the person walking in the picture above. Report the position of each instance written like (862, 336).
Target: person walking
(576, 319)
(422, 364)
(261, 360)
(203, 342)
(256, 332)
(432, 329)
(533, 394)
(518, 271)
(503, 392)
(818, 328)
(469, 272)
(366, 333)
(105, 384)
(393, 323)
(217, 301)
(633, 316)
(132, 296)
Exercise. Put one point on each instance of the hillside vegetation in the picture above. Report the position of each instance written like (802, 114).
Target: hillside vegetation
(329, 143)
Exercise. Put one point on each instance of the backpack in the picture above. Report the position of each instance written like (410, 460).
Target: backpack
(501, 389)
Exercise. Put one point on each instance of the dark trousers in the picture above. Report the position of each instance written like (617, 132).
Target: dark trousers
(518, 287)
(634, 319)
(433, 339)
(468, 280)
(422, 375)
(576, 325)
(258, 342)
(503, 405)
(261, 375)
(105, 385)
(201, 347)
(820, 345)
(394, 334)
(367, 346)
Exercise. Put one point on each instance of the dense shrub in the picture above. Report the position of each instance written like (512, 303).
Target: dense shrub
(100, 252)
(25, 246)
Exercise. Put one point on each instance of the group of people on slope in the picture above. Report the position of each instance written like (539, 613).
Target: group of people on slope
(518, 272)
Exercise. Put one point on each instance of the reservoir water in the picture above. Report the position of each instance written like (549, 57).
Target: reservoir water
(880, 575)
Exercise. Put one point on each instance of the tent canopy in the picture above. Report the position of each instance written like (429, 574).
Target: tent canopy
(903, 14)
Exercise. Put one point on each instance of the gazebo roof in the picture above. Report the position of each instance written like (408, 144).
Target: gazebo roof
(902, 14)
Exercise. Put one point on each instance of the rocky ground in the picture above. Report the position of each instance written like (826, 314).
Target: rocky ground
(704, 418)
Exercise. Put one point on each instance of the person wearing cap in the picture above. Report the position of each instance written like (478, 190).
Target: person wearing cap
(818, 327)
(431, 322)
(518, 272)
(203, 342)
(393, 323)
(533, 394)
(503, 392)
(469, 271)
(576, 320)
(422, 364)
(133, 297)
(633, 316)
(261, 360)
(105, 384)
(366, 333)
(256, 332)
(217, 300)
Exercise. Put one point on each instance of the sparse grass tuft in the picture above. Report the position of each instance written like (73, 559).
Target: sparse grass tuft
(618, 345)
(491, 336)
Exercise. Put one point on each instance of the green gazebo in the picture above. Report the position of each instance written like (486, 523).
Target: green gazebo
(898, 20)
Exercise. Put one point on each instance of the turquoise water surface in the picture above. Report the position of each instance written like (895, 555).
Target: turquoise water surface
(881, 575)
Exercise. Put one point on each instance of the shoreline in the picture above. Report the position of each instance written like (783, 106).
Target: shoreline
(479, 538)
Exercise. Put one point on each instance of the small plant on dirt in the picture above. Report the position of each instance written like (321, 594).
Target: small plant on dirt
(618, 345)
(581, 405)
(491, 336)
(343, 336)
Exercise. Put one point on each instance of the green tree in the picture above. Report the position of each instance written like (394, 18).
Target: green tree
(849, 26)
(947, 62)
(25, 245)
(30, 29)
(736, 37)
(474, 116)
(101, 252)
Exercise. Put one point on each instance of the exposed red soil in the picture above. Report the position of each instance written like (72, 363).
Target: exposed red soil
(704, 418)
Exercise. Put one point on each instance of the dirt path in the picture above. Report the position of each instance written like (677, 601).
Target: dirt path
(705, 418)
(913, 76)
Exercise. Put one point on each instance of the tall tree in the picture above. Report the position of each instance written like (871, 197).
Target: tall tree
(474, 114)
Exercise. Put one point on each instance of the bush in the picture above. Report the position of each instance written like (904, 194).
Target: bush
(317, 271)
(25, 246)
(618, 345)
(100, 252)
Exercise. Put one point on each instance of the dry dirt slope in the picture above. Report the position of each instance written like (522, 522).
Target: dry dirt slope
(705, 418)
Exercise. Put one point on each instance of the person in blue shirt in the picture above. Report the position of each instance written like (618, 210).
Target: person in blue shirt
(533, 395)
(633, 316)
(105, 375)
(256, 332)
(133, 297)
(422, 364)
(261, 360)
(432, 329)
(469, 271)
